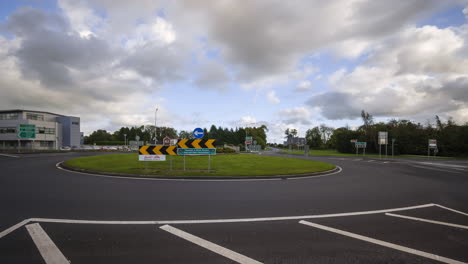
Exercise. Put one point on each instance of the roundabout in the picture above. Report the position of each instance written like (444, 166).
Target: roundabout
(379, 211)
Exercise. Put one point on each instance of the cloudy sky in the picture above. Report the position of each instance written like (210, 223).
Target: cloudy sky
(293, 64)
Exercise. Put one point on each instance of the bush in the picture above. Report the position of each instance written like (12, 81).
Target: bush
(225, 150)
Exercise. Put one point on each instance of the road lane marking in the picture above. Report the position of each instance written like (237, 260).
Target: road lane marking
(450, 209)
(11, 156)
(431, 168)
(239, 258)
(207, 221)
(49, 251)
(427, 220)
(383, 243)
(13, 228)
(370, 160)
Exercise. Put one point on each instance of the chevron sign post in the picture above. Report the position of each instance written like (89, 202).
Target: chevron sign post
(155, 153)
(192, 147)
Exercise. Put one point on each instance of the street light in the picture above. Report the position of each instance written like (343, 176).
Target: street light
(125, 140)
(155, 127)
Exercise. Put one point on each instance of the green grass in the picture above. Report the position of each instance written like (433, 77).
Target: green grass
(221, 165)
(332, 152)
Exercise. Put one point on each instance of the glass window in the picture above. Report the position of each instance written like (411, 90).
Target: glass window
(31, 116)
(9, 116)
(7, 130)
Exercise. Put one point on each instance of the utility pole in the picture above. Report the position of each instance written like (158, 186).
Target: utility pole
(155, 126)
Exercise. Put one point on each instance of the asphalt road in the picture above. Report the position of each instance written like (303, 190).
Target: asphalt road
(266, 221)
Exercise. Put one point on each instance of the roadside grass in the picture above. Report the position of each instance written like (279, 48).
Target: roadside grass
(221, 165)
(332, 152)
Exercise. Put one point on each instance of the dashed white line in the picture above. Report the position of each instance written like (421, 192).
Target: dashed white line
(384, 243)
(427, 220)
(10, 156)
(239, 258)
(49, 251)
(450, 209)
(370, 160)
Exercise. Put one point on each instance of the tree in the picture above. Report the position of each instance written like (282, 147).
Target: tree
(314, 137)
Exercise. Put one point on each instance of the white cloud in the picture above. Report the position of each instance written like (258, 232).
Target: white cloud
(337, 76)
(465, 12)
(272, 98)
(296, 115)
(304, 86)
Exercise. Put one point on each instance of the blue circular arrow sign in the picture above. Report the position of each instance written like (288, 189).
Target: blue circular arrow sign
(198, 133)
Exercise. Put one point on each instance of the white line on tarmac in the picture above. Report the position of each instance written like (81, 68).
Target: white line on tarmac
(13, 228)
(206, 221)
(383, 243)
(49, 251)
(427, 168)
(11, 156)
(428, 220)
(450, 209)
(239, 258)
(370, 160)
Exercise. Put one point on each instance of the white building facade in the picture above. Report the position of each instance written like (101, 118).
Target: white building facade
(53, 131)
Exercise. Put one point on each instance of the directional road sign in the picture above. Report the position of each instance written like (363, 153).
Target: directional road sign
(196, 143)
(196, 151)
(26, 131)
(383, 137)
(157, 150)
(361, 144)
(432, 143)
(198, 133)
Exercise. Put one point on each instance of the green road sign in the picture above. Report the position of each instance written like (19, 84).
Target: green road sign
(196, 151)
(26, 131)
(361, 144)
(247, 138)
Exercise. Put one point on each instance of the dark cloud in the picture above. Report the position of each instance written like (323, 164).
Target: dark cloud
(335, 105)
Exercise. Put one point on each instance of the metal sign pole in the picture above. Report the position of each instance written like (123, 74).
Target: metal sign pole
(386, 156)
(146, 165)
(170, 162)
(209, 161)
(393, 143)
(380, 150)
(19, 145)
(184, 161)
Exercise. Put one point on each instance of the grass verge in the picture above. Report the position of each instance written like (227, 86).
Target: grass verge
(221, 165)
(331, 152)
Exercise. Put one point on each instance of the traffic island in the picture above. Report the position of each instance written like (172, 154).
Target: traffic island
(223, 166)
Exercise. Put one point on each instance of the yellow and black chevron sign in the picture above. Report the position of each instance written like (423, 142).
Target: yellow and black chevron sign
(196, 143)
(158, 150)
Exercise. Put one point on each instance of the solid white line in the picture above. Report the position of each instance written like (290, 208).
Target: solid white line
(13, 228)
(427, 168)
(49, 251)
(383, 243)
(233, 220)
(11, 156)
(450, 209)
(427, 220)
(210, 246)
(205, 221)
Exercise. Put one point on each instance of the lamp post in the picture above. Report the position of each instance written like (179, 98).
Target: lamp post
(125, 140)
(155, 126)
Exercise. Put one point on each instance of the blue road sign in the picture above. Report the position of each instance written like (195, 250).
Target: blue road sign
(198, 133)
(195, 151)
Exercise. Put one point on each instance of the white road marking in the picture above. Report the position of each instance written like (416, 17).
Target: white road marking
(239, 258)
(428, 221)
(386, 162)
(450, 209)
(8, 155)
(13, 228)
(370, 160)
(205, 221)
(383, 243)
(49, 251)
(428, 168)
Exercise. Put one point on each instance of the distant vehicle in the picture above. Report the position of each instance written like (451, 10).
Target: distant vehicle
(65, 148)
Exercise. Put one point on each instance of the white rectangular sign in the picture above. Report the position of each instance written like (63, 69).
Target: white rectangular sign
(152, 157)
(383, 137)
(432, 143)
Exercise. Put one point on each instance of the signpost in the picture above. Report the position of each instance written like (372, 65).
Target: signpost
(167, 141)
(198, 133)
(195, 151)
(197, 146)
(26, 131)
(359, 145)
(432, 144)
(383, 140)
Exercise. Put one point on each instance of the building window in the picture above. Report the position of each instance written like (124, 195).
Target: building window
(45, 130)
(45, 144)
(76, 123)
(9, 116)
(31, 116)
(7, 130)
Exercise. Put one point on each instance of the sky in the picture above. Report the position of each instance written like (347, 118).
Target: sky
(283, 64)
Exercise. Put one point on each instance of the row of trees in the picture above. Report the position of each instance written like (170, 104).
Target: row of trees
(146, 133)
(410, 137)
